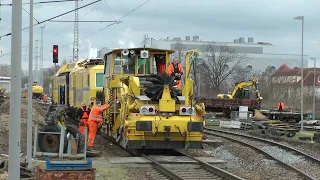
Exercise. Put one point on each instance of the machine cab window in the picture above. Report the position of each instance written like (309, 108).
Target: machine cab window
(136, 61)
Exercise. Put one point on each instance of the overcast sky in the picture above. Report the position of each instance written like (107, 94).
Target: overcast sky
(264, 20)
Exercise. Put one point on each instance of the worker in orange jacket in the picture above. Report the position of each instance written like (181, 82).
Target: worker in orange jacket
(83, 113)
(175, 69)
(25, 94)
(161, 65)
(280, 106)
(45, 97)
(95, 118)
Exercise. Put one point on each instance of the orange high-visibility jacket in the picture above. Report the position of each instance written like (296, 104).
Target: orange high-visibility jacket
(96, 113)
(171, 70)
(282, 105)
(85, 114)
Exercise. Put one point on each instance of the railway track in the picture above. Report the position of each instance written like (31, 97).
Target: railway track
(200, 170)
(304, 164)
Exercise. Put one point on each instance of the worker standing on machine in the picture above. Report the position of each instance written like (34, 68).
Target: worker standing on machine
(280, 106)
(95, 119)
(176, 70)
(83, 113)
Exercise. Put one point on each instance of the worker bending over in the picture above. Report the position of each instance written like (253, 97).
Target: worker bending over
(83, 113)
(95, 118)
(175, 69)
(280, 106)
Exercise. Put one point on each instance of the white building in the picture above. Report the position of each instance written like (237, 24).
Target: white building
(5, 83)
(102, 51)
(261, 54)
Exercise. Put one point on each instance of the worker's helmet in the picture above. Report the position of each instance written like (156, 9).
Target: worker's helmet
(83, 104)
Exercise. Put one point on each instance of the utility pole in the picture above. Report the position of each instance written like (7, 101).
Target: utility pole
(0, 28)
(41, 59)
(15, 94)
(76, 33)
(30, 79)
(36, 63)
(314, 90)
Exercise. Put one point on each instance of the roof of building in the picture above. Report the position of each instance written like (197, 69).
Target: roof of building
(285, 70)
(308, 74)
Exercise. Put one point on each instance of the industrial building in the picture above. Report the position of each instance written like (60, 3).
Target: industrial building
(102, 51)
(260, 54)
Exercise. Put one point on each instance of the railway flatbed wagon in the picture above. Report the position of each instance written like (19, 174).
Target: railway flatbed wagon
(228, 105)
(283, 116)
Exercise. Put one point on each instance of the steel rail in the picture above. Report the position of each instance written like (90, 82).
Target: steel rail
(256, 149)
(312, 158)
(213, 169)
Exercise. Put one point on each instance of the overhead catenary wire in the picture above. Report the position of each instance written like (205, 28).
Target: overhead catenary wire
(116, 22)
(29, 14)
(41, 2)
(9, 34)
(134, 9)
(5, 54)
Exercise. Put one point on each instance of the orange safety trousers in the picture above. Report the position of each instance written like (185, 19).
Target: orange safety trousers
(95, 118)
(83, 123)
(93, 127)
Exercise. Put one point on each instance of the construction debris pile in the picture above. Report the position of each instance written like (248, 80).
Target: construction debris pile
(38, 118)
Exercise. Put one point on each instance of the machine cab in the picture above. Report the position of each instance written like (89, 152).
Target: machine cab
(122, 63)
(242, 93)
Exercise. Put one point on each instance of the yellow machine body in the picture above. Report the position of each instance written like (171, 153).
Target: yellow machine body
(37, 91)
(78, 82)
(136, 121)
(2, 91)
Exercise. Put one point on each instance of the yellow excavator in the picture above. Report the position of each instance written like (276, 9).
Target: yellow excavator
(37, 91)
(240, 91)
(2, 91)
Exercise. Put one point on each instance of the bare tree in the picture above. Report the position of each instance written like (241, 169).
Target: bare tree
(218, 64)
(242, 74)
(5, 70)
(180, 51)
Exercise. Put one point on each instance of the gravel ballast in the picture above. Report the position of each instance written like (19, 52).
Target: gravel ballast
(297, 161)
(245, 162)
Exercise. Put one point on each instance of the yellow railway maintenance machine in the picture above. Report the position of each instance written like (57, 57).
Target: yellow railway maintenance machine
(148, 112)
(79, 82)
(73, 84)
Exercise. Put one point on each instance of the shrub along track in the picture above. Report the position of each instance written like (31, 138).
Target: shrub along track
(307, 166)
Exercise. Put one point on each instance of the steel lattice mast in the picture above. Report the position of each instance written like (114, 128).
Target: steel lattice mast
(41, 60)
(76, 33)
(36, 63)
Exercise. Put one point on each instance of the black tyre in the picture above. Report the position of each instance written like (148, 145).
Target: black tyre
(49, 142)
(74, 131)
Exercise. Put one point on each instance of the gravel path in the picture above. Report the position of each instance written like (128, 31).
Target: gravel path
(297, 161)
(109, 149)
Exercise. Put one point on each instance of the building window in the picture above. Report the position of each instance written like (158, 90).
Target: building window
(318, 78)
(99, 79)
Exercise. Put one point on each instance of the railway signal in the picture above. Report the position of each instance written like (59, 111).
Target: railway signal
(55, 53)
